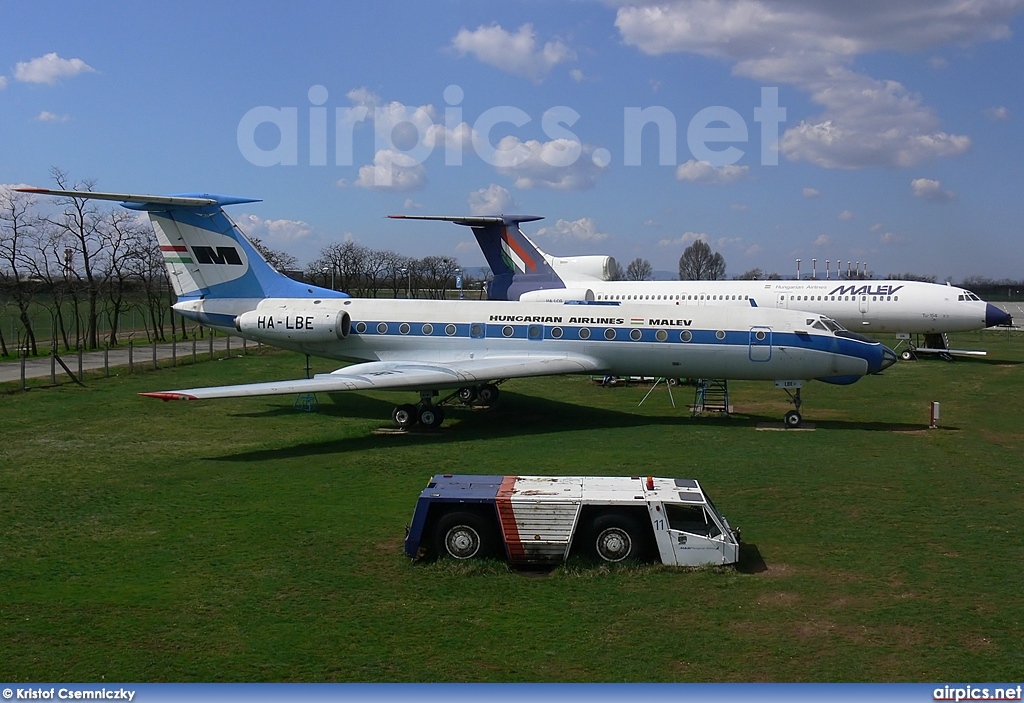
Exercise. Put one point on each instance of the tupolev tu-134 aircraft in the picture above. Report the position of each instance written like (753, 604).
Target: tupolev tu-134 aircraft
(522, 271)
(465, 346)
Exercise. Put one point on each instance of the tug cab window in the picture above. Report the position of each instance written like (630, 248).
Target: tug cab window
(690, 518)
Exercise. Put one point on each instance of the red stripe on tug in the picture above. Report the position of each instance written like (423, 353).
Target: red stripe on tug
(169, 396)
(507, 520)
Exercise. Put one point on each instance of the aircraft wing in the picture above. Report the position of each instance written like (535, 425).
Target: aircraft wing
(401, 375)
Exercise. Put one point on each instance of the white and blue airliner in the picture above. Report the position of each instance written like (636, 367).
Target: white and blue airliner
(522, 271)
(465, 346)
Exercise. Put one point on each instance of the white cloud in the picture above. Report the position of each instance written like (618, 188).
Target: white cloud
(560, 164)
(753, 250)
(938, 63)
(813, 46)
(281, 231)
(49, 69)
(650, 222)
(875, 227)
(517, 53)
(810, 192)
(998, 114)
(410, 204)
(846, 215)
(684, 239)
(583, 229)
(891, 238)
(703, 172)
(392, 170)
(739, 207)
(930, 189)
(46, 116)
(822, 239)
(492, 200)
(3, 82)
(363, 97)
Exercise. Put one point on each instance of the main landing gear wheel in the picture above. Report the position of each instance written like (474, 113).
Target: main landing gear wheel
(431, 416)
(466, 394)
(908, 355)
(405, 416)
(487, 394)
(793, 419)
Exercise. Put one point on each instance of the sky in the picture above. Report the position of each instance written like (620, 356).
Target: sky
(884, 132)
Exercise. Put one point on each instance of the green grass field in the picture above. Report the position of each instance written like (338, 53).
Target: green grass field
(242, 540)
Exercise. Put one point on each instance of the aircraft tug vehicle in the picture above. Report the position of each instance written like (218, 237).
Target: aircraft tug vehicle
(536, 520)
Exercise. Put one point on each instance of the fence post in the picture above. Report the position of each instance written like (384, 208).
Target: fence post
(227, 352)
(211, 346)
(155, 367)
(174, 350)
(24, 353)
(193, 347)
(243, 346)
(131, 356)
(53, 363)
(106, 360)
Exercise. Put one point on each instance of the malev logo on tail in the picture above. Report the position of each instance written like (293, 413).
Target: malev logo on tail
(198, 258)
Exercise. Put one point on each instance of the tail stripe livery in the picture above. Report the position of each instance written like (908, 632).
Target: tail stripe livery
(518, 266)
(205, 253)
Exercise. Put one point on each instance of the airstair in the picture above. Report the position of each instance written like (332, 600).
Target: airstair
(711, 396)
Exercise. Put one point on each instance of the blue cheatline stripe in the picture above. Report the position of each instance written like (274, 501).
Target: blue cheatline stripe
(622, 334)
(502, 693)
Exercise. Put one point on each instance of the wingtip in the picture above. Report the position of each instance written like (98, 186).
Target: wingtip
(169, 395)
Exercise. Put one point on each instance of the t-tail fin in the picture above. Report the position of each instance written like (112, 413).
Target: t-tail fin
(205, 253)
(516, 262)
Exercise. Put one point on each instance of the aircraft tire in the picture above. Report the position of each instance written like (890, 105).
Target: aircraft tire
(462, 535)
(467, 394)
(616, 538)
(431, 416)
(487, 394)
(793, 419)
(907, 355)
(405, 416)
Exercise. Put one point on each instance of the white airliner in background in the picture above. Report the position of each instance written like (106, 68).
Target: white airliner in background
(523, 272)
(471, 346)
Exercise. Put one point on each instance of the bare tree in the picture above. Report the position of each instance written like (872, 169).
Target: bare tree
(375, 271)
(128, 245)
(639, 270)
(16, 225)
(699, 263)
(398, 273)
(81, 221)
(438, 275)
(281, 260)
(751, 275)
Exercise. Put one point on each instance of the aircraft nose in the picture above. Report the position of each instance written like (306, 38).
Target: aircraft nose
(888, 359)
(995, 317)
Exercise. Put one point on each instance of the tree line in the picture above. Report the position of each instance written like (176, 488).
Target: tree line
(87, 266)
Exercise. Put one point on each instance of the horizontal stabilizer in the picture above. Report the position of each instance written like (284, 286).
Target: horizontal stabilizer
(472, 220)
(188, 200)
